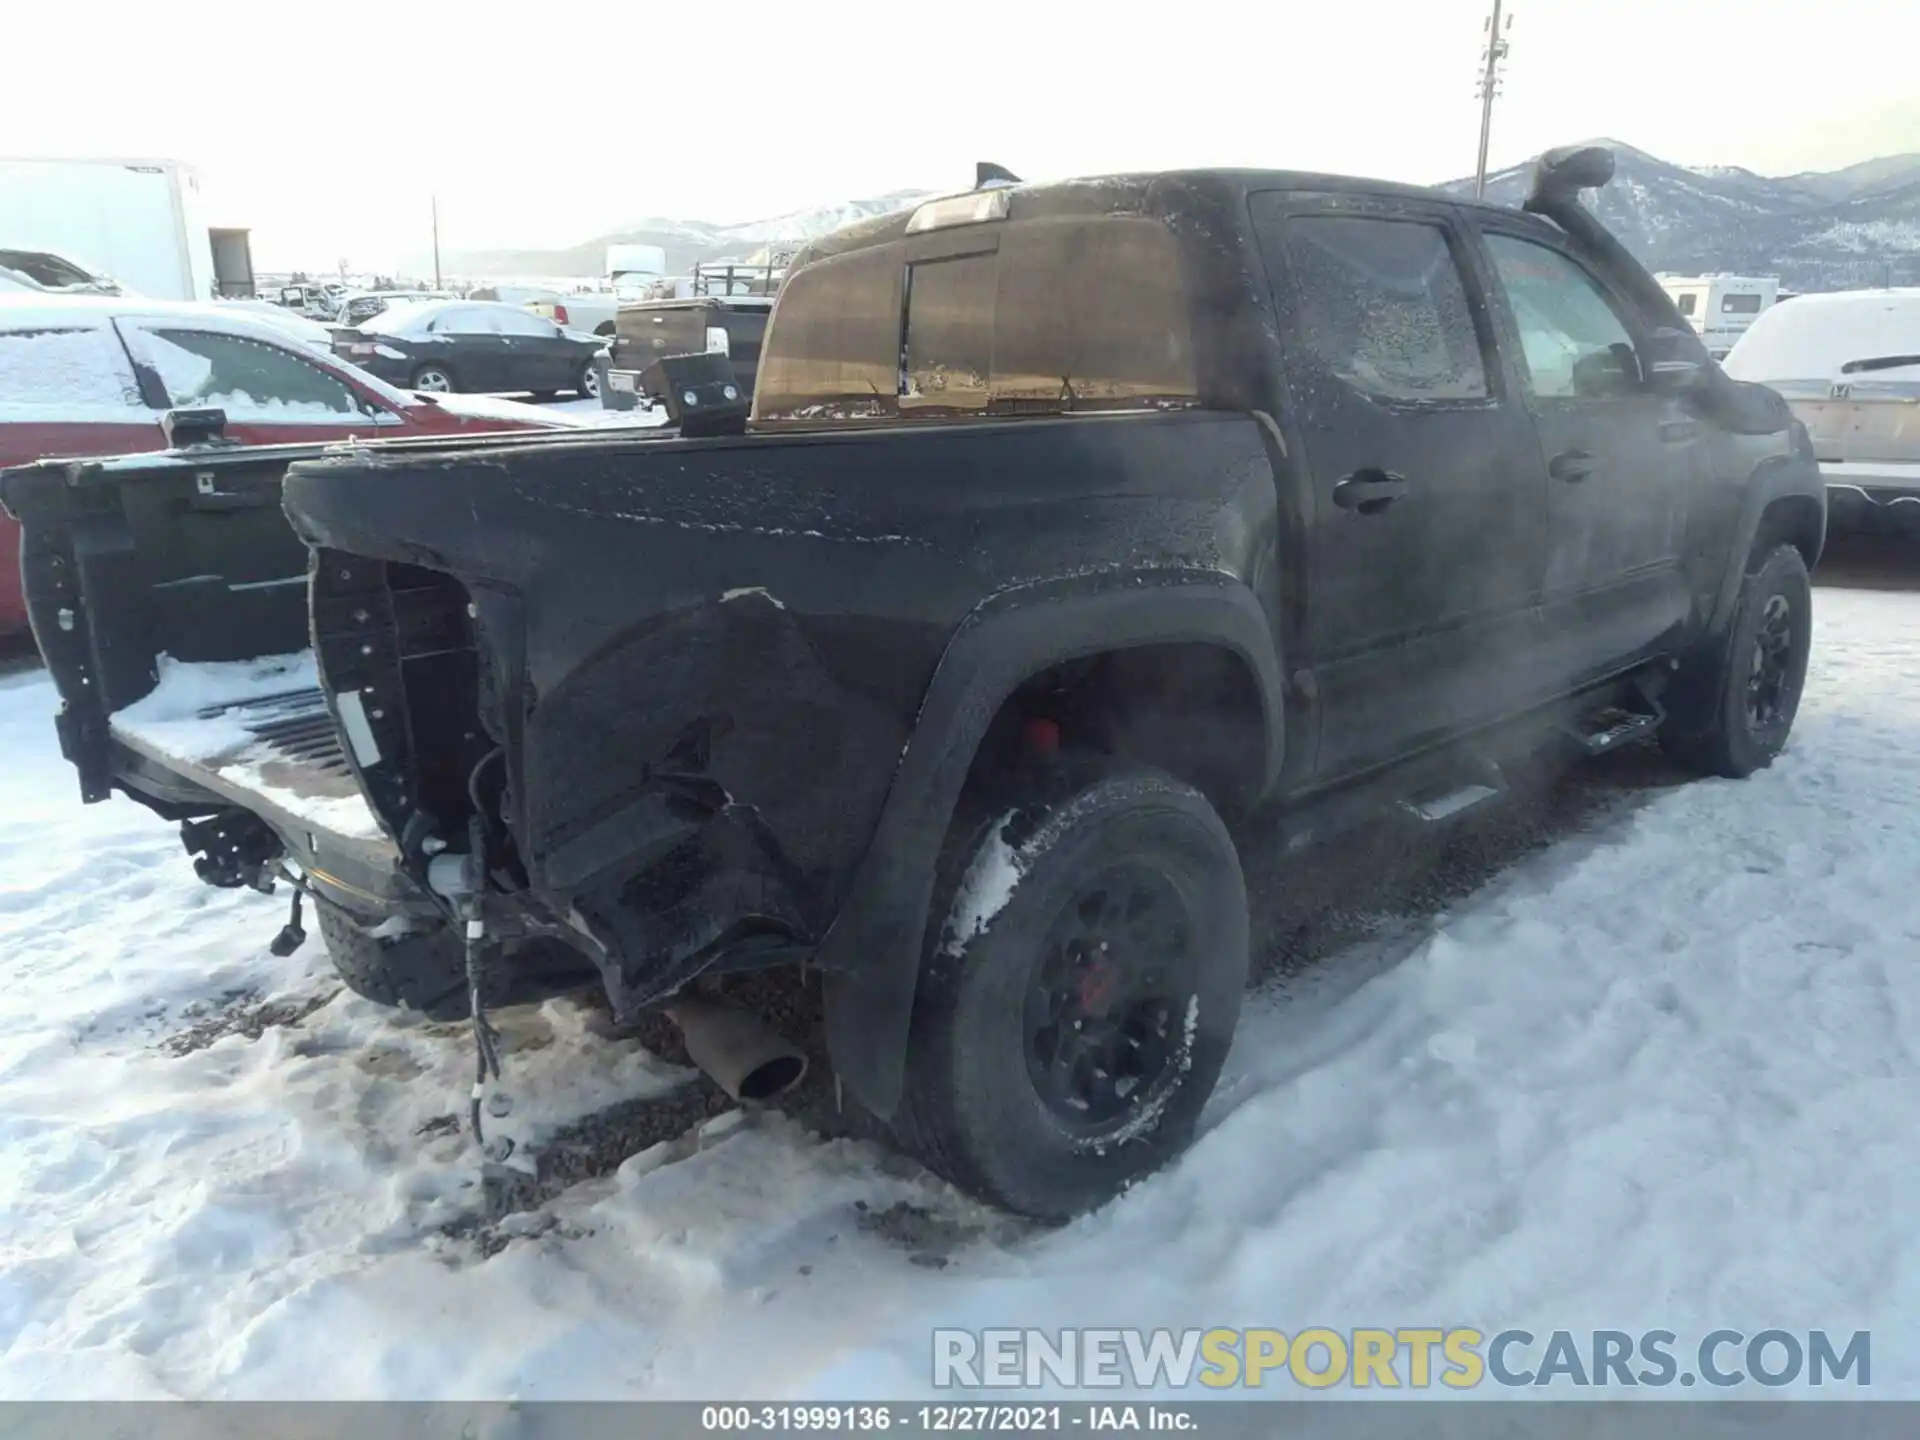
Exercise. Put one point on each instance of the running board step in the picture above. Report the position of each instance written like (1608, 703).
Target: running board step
(1453, 803)
(1613, 727)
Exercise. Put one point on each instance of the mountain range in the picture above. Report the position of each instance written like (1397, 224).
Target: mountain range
(1820, 230)
(685, 241)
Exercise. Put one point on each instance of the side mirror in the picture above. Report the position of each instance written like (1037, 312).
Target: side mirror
(1676, 362)
(1675, 377)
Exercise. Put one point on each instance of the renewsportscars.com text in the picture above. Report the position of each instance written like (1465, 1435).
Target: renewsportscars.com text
(1457, 1358)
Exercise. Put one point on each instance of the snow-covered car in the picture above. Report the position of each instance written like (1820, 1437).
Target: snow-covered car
(478, 345)
(312, 301)
(1848, 364)
(94, 375)
(365, 304)
(43, 270)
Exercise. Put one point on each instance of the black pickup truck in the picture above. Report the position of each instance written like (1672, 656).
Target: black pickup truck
(1075, 527)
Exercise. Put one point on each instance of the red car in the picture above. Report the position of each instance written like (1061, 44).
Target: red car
(92, 375)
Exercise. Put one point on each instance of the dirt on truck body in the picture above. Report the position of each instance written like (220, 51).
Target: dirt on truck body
(1077, 527)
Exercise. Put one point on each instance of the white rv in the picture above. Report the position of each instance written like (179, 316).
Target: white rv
(1721, 307)
(136, 221)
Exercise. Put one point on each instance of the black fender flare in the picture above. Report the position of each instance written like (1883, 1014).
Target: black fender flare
(1691, 699)
(871, 955)
(1784, 477)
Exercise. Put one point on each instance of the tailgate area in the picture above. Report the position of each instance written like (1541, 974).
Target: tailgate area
(252, 731)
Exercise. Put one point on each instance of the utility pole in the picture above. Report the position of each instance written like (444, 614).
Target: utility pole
(1491, 60)
(436, 216)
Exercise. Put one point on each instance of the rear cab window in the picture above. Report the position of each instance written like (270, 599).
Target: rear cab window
(1005, 318)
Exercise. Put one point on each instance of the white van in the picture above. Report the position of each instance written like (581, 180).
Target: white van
(1721, 307)
(1849, 366)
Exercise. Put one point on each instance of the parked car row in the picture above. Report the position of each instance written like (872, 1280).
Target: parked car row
(94, 375)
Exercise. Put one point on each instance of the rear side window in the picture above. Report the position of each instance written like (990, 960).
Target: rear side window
(1739, 304)
(1574, 343)
(1685, 303)
(524, 322)
(243, 376)
(72, 373)
(459, 320)
(1384, 309)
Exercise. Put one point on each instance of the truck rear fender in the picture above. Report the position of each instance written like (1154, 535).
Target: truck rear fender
(871, 955)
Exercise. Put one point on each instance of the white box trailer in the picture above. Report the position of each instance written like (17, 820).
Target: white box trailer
(137, 221)
(631, 268)
(1721, 307)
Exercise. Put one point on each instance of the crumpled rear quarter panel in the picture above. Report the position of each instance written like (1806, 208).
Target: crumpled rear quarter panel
(762, 613)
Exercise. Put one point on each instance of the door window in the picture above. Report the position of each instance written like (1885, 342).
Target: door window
(465, 320)
(1573, 342)
(67, 374)
(1384, 309)
(244, 376)
(1685, 303)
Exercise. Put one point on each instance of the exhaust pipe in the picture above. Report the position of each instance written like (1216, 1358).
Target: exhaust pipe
(736, 1050)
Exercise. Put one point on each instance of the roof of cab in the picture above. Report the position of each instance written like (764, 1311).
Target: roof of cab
(1131, 193)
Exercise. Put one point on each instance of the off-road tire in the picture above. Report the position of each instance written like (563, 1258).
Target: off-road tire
(1725, 740)
(425, 970)
(971, 1107)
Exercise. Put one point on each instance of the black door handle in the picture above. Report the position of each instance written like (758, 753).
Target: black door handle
(1369, 491)
(1570, 465)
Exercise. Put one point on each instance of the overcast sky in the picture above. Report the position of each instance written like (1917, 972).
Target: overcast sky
(325, 128)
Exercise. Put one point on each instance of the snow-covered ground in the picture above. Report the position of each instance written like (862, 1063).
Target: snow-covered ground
(1663, 1074)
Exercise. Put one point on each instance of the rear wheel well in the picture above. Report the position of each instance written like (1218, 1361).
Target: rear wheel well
(1191, 710)
(1791, 520)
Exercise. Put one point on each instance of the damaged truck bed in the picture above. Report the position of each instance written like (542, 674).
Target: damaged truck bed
(1074, 524)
